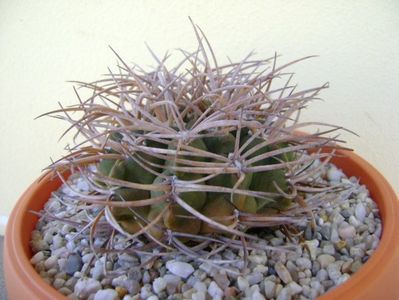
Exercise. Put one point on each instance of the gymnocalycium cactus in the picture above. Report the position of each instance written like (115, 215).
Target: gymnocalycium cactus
(198, 154)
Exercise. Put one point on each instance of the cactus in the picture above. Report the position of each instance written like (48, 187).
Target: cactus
(199, 151)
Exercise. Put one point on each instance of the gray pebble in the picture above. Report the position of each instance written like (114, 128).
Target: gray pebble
(73, 264)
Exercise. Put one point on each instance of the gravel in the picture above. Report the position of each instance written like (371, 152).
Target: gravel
(345, 235)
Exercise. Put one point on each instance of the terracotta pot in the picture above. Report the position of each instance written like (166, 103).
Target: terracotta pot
(377, 279)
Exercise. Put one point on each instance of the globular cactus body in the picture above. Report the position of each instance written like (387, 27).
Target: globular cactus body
(211, 150)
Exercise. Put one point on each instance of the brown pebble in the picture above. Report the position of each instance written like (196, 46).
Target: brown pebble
(121, 291)
(230, 291)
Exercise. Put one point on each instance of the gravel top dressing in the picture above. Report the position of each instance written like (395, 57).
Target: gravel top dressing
(342, 239)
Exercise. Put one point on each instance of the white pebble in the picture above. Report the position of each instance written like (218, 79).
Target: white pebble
(285, 294)
(294, 287)
(159, 285)
(347, 232)
(312, 246)
(334, 272)
(325, 260)
(86, 286)
(328, 249)
(108, 294)
(334, 175)
(39, 256)
(270, 288)
(343, 278)
(198, 296)
(360, 212)
(51, 262)
(214, 290)
(242, 283)
(282, 272)
(153, 297)
(257, 296)
(200, 286)
(303, 263)
(179, 268)
(322, 275)
(58, 283)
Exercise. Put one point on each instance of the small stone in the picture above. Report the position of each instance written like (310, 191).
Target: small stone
(153, 297)
(58, 283)
(39, 256)
(200, 286)
(355, 266)
(282, 272)
(98, 270)
(172, 279)
(146, 277)
(61, 275)
(73, 264)
(254, 278)
(343, 278)
(179, 268)
(315, 267)
(242, 283)
(303, 263)
(334, 237)
(360, 212)
(214, 290)
(334, 272)
(87, 257)
(52, 272)
(108, 294)
(230, 292)
(198, 296)
(65, 291)
(334, 175)
(257, 296)
(121, 291)
(270, 289)
(221, 280)
(51, 262)
(159, 285)
(285, 294)
(123, 281)
(312, 246)
(325, 260)
(325, 231)
(188, 294)
(354, 222)
(329, 249)
(347, 232)
(135, 274)
(86, 286)
(294, 287)
(322, 275)
(261, 269)
(145, 291)
(356, 252)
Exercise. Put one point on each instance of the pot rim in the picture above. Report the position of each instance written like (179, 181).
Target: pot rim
(358, 286)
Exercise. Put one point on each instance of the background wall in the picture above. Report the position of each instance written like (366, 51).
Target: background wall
(45, 43)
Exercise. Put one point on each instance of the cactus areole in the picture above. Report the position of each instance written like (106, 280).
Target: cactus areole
(198, 154)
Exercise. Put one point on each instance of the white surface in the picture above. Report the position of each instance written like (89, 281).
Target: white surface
(45, 43)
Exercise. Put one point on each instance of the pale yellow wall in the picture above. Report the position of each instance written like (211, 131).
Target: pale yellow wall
(45, 43)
